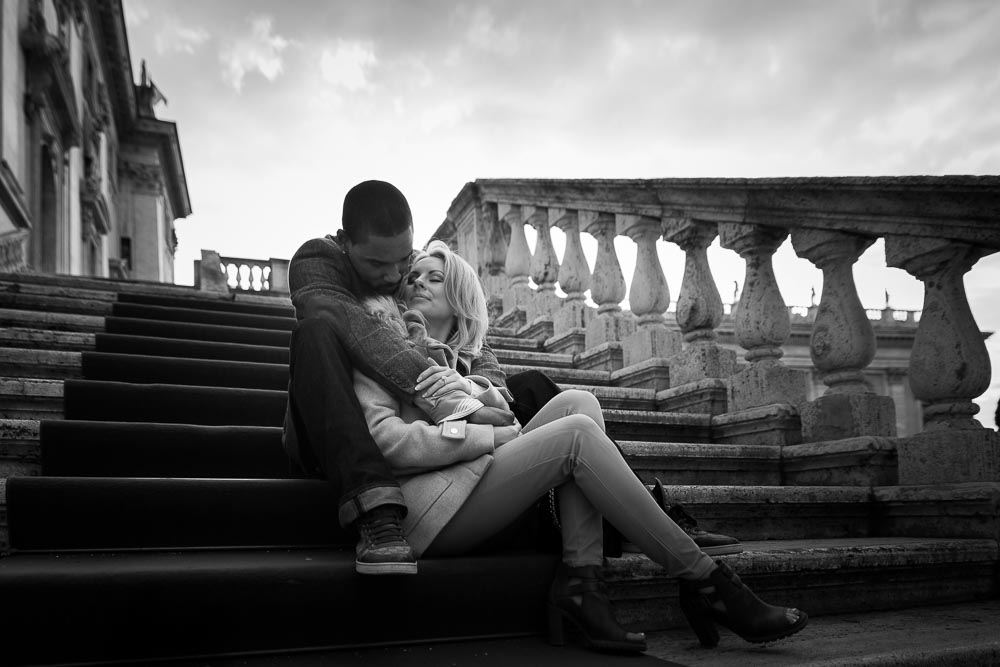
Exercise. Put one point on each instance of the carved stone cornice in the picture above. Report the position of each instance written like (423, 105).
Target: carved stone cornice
(954, 207)
(144, 177)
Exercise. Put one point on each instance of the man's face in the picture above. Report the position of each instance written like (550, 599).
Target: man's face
(382, 261)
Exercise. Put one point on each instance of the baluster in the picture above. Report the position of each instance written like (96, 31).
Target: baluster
(574, 275)
(544, 266)
(702, 364)
(607, 289)
(762, 327)
(518, 293)
(949, 366)
(652, 343)
(842, 344)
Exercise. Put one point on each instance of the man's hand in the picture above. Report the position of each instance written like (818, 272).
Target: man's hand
(504, 434)
(440, 380)
(491, 416)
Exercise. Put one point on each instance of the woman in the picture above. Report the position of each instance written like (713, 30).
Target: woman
(464, 482)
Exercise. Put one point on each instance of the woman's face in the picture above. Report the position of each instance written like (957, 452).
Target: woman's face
(424, 290)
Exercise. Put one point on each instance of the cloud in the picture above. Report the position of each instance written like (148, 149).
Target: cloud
(180, 39)
(136, 13)
(347, 64)
(259, 51)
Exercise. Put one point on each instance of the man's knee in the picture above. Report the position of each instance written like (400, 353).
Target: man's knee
(583, 401)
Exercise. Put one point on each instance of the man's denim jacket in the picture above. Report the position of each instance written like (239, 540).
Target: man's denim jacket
(324, 284)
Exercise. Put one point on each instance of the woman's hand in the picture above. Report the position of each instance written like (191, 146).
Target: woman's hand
(440, 380)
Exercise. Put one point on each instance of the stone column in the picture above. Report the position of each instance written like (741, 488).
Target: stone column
(842, 344)
(544, 268)
(574, 276)
(949, 366)
(607, 288)
(768, 391)
(518, 292)
(699, 375)
(646, 352)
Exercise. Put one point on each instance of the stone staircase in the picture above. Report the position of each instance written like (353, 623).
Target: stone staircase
(148, 510)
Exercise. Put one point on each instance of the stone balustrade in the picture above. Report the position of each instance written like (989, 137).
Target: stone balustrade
(221, 274)
(935, 228)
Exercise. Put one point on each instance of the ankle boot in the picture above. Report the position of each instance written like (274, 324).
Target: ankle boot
(722, 598)
(577, 594)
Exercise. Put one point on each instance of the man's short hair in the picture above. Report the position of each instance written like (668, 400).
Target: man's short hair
(375, 207)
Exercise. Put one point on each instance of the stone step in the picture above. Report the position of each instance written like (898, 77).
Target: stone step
(45, 339)
(943, 635)
(20, 452)
(64, 291)
(55, 304)
(34, 319)
(106, 284)
(31, 398)
(564, 375)
(701, 463)
(542, 360)
(822, 577)
(29, 363)
(55, 512)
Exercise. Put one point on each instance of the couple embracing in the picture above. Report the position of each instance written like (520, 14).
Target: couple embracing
(397, 400)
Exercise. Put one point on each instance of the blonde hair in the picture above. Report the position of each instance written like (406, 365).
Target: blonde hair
(464, 293)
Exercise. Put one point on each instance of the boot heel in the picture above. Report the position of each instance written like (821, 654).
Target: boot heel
(699, 617)
(557, 633)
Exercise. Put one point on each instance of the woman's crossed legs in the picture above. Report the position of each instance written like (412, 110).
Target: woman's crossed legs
(565, 446)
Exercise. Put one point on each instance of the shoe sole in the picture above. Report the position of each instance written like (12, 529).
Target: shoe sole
(723, 550)
(385, 568)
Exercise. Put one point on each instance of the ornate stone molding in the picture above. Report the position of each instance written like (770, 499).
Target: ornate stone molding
(49, 80)
(12, 252)
(144, 177)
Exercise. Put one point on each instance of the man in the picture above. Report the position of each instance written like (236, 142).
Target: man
(325, 429)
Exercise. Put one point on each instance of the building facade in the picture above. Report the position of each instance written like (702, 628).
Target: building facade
(91, 181)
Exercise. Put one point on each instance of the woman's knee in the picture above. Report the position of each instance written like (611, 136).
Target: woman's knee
(584, 403)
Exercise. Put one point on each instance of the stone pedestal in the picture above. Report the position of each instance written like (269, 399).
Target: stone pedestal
(864, 461)
(609, 327)
(571, 315)
(700, 361)
(766, 384)
(838, 416)
(210, 275)
(651, 342)
(513, 318)
(542, 305)
(653, 373)
(709, 396)
(773, 425)
(943, 457)
(571, 341)
(604, 357)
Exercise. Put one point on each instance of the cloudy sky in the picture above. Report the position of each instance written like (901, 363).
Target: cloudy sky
(283, 105)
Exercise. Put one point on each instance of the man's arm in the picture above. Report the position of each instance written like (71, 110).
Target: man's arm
(488, 367)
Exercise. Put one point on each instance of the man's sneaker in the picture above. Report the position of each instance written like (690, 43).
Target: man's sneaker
(710, 543)
(382, 548)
